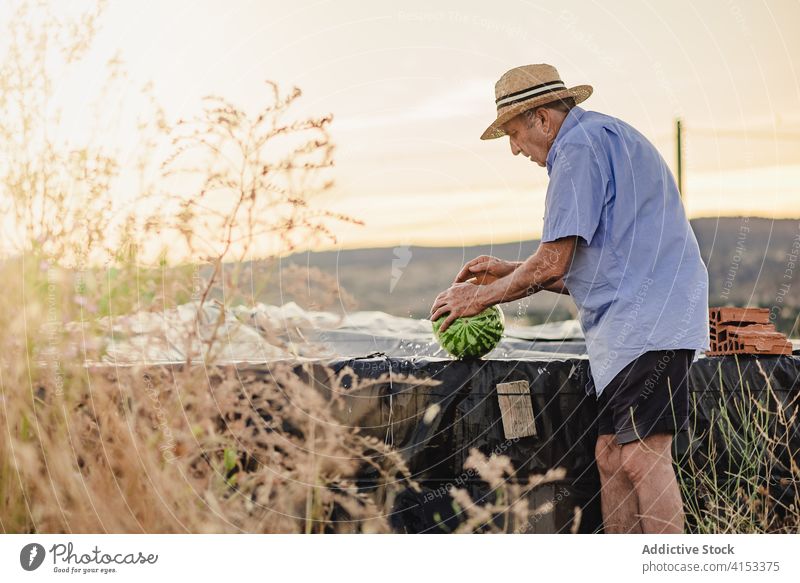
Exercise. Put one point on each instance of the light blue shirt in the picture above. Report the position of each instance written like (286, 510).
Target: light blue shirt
(637, 276)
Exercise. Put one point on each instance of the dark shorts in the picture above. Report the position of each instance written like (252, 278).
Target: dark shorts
(649, 396)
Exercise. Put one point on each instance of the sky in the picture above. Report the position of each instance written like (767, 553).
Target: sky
(411, 88)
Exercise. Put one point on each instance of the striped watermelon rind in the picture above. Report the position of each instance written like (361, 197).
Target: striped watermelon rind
(472, 336)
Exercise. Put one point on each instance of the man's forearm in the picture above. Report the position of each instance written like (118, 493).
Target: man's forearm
(557, 288)
(532, 275)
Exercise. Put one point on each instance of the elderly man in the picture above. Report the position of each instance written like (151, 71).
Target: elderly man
(617, 240)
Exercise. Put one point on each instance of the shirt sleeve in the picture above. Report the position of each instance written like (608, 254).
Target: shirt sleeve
(576, 194)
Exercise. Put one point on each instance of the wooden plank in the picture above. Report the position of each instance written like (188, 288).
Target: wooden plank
(516, 409)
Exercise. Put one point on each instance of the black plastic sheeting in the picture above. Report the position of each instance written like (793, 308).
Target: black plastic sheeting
(468, 416)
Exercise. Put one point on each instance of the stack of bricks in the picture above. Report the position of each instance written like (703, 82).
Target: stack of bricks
(744, 331)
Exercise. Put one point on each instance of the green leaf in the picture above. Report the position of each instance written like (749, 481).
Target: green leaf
(229, 459)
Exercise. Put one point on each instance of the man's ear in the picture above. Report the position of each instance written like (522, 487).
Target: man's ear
(546, 117)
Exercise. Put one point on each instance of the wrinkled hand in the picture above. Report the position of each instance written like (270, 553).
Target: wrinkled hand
(459, 300)
(485, 269)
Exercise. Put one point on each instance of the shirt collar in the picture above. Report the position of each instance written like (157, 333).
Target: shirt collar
(573, 117)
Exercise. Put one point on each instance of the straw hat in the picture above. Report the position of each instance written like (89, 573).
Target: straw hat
(525, 87)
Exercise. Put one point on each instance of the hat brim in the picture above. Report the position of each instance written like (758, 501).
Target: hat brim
(580, 93)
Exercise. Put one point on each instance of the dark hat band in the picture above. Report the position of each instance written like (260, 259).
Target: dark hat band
(525, 94)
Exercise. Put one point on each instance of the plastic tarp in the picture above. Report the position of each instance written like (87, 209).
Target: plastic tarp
(267, 333)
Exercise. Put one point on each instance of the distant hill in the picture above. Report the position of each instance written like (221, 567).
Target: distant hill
(749, 262)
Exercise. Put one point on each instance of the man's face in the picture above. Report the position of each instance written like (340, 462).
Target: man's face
(531, 139)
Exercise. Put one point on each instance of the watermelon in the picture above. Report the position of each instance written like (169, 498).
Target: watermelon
(471, 336)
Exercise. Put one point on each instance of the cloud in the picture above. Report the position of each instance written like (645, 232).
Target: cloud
(473, 97)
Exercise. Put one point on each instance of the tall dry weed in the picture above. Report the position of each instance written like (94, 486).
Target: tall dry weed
(741, 474)
(83, 450)
(177, 449)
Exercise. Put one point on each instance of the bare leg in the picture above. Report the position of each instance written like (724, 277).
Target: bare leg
(648, 466)
(617, 496)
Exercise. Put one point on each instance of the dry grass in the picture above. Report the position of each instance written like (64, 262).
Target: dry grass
(190, 448)
(507, 510)
(81, 449)
(746, 478)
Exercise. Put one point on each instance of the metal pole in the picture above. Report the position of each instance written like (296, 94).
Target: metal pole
(678, 141)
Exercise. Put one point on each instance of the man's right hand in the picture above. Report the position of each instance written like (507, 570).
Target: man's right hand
(486, 269)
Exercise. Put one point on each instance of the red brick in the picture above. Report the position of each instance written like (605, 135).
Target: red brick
(747, 328)
(743, 316)
(744, 331)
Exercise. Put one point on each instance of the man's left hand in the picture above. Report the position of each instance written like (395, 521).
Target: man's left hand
(459, 300)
